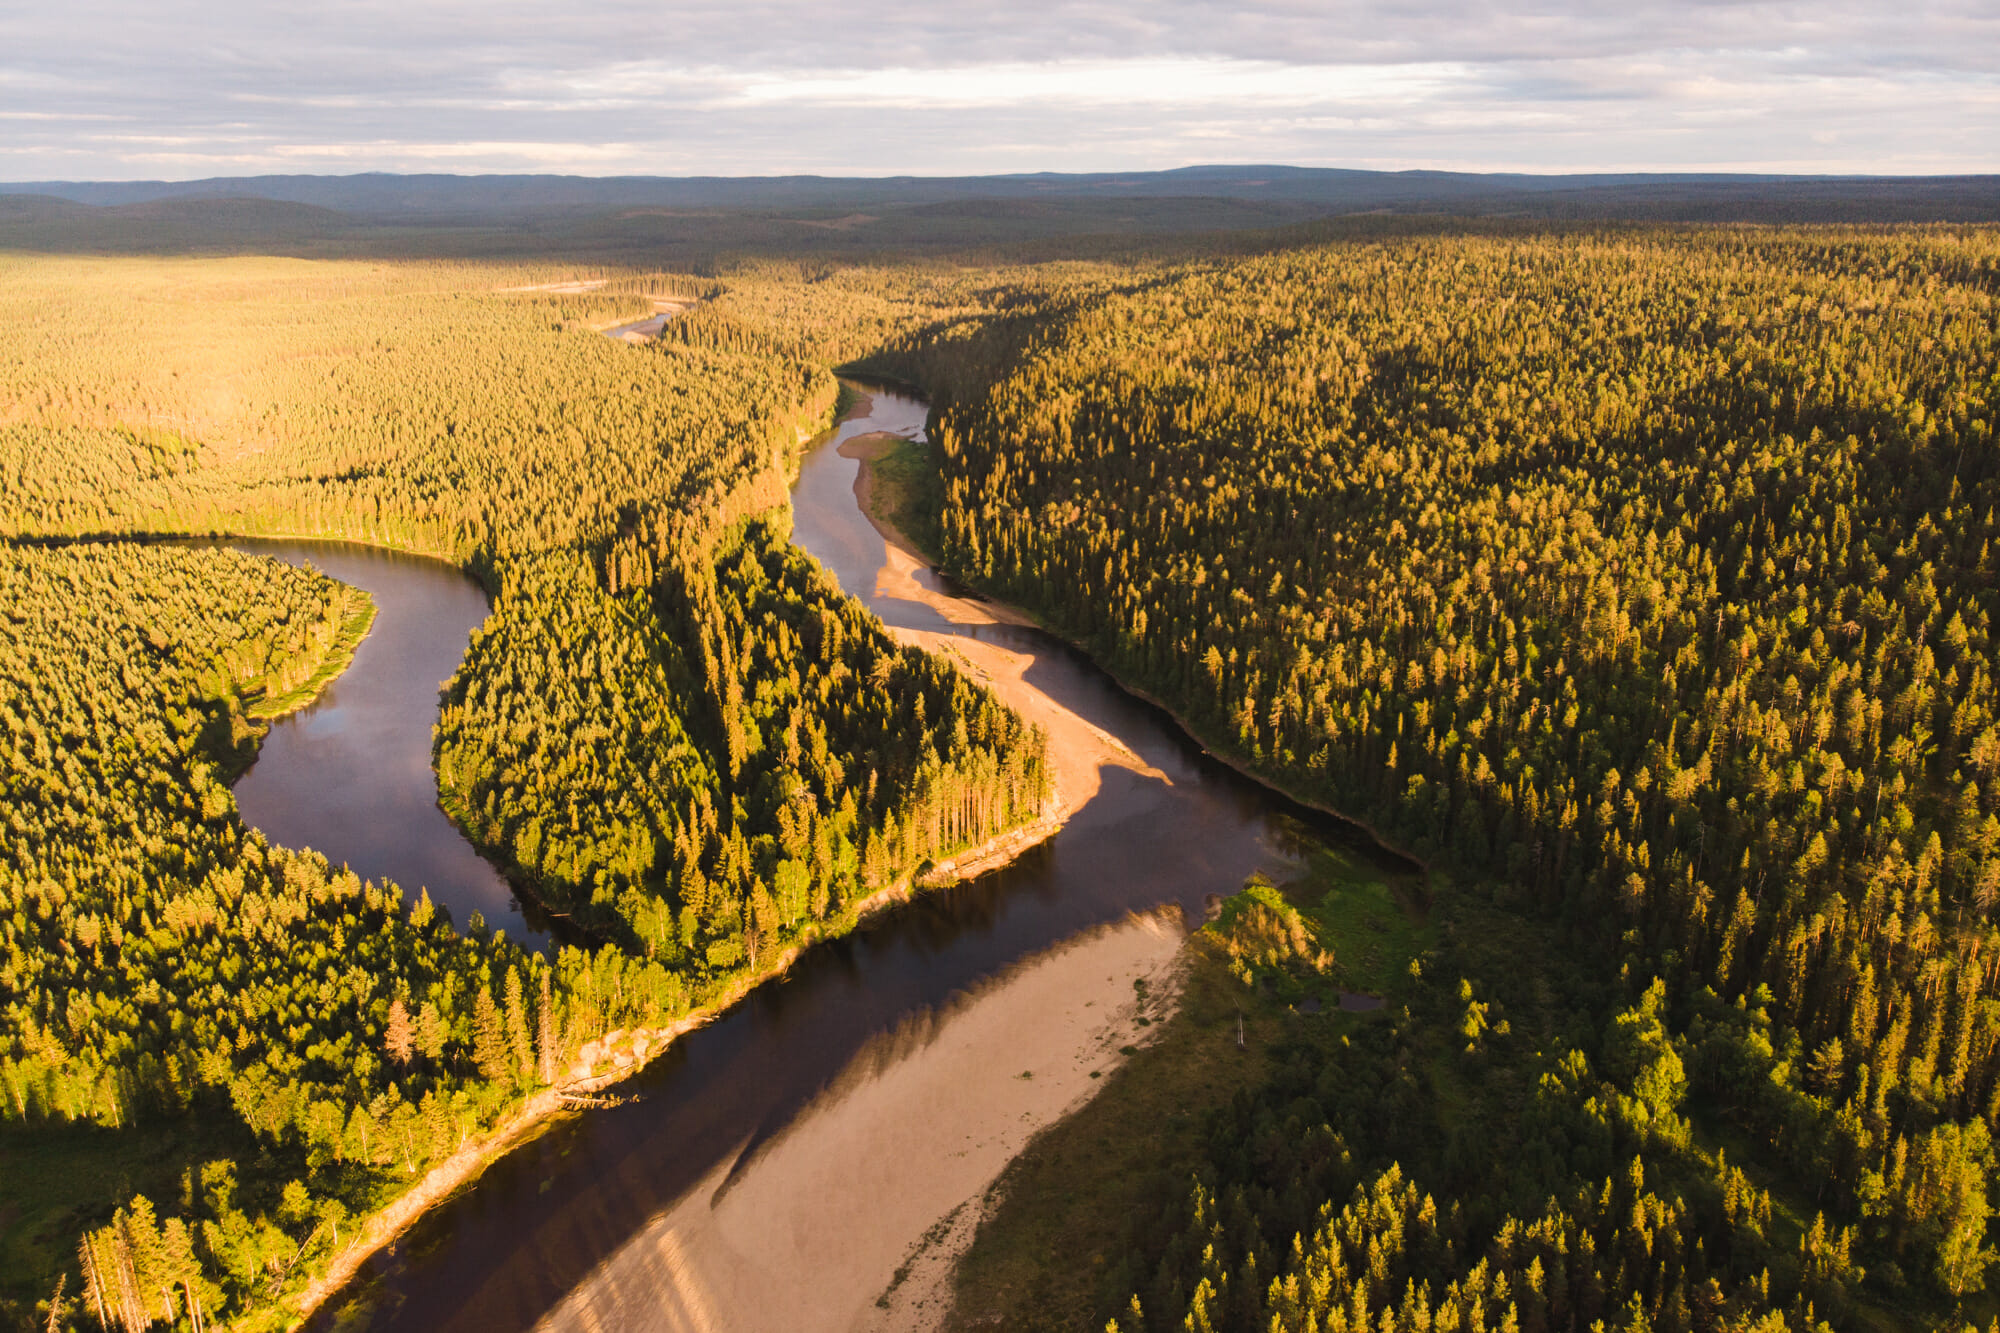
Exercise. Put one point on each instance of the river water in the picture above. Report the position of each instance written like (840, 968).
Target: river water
(350, 775)
(538, 1224)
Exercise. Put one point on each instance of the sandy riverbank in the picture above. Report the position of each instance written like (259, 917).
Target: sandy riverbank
(608, 1061)
(852, 1218)
(1077, 747)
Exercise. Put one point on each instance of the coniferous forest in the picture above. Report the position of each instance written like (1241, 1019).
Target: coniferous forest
(1635, 581)
(1644, 582)
(675, 732)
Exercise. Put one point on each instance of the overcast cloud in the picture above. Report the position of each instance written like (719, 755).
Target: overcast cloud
(104, 90)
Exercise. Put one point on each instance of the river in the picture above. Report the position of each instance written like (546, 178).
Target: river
(617, 1218)
(350, 774)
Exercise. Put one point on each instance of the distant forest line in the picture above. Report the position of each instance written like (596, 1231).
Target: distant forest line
(694, 222)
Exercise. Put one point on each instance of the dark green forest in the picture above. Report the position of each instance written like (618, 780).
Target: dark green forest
(704, 761)
(1641, 581)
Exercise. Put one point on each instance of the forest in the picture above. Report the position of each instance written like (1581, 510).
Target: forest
(702, 762)
(221, 1055)
(1636, 580)
(1642, 581)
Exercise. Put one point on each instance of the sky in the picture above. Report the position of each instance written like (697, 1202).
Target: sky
(166, 89)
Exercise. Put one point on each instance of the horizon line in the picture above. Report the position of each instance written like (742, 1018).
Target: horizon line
(1533, 173)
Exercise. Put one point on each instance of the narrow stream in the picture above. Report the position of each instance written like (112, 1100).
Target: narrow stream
(534, 1227)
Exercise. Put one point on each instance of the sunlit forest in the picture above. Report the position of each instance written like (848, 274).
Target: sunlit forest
(1642, 582)
(219, 1055)
(1635, 581)
(757, 755)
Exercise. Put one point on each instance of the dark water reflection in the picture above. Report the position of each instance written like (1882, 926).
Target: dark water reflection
(507, 1250)
(350, 776)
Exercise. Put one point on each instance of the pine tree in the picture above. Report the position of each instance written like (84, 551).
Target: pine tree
(400, 1037)
(545, 1032)
(517, 1030)
(432, 1033)
(489, 1040)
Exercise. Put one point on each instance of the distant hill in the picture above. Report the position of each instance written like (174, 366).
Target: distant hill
(29, 221)
(36, 207)
(1287, 191)
(689, 223)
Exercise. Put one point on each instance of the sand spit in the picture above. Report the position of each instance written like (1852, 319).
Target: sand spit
(853, 1217)
(1077, 746)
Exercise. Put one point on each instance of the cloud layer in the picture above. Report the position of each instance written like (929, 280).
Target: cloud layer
(117, 89)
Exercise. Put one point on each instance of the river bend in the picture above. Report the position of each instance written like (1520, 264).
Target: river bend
(603, 1220)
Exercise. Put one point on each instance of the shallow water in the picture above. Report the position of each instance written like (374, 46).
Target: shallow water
(536, 1224)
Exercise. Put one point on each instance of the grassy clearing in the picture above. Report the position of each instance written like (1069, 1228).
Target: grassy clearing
(1372, 921)
(62, 1179)
(57, 1176)
(908, 492)
(1046, 1255)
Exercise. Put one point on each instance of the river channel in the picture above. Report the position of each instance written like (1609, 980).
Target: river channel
(547, 1234)
(350, 774)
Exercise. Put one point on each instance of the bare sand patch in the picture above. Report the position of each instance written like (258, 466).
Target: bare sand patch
(1077, 746)
(852, 1218)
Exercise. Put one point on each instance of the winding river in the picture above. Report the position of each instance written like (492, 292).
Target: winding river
(765, 1158)
(350, 774)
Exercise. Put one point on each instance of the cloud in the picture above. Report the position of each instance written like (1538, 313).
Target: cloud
(115, 89)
